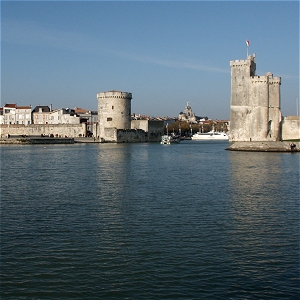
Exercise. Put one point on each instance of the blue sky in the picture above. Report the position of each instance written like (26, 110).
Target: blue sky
(166, 53)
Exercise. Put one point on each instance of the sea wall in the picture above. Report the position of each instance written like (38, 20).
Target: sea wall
(265, 146)
(36, 141)
(57, 130)
(113, 135)
(291, 128)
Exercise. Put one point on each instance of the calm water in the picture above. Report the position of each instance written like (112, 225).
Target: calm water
(148, 221)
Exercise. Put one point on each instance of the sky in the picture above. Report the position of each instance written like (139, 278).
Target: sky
(166, 53)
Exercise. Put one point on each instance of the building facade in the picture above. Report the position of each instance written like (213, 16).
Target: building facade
(90, 117)
(255, 103)
(14, 114)
(41, 114)
(64, 116)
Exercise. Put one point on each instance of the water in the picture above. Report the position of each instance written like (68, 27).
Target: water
(148, 221)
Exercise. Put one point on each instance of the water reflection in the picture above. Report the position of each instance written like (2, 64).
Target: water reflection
(260, 226)
(133, 220)
(255, 177)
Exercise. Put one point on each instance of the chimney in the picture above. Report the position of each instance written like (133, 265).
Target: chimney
(50, 107)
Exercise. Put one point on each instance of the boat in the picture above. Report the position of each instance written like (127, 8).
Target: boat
(169, 139)
(211, 135)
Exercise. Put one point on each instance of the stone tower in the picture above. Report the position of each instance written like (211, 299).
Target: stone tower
(114, 111)
(255, 103)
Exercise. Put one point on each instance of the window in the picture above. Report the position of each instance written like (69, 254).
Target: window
(109, 119)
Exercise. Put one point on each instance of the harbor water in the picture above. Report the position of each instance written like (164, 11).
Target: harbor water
(148, 221)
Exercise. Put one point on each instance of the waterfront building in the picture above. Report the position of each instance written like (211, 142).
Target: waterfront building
(41, 114)
(115, 124)
(255, 103)
(114, 111)
(64, 116)
(90, 117)
(14, 114)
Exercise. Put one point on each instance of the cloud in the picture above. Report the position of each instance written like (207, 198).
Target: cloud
(172, 64)
(31, 33)
(34, 34)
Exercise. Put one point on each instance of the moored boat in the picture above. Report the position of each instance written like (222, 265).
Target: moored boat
(211, 135)
(168, 139)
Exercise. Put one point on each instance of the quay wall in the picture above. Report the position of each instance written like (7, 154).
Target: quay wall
(36, 141)
(114, 135)
(58, 130)
(268, 146)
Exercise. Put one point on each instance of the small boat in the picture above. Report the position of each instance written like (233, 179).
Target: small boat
(168, 139)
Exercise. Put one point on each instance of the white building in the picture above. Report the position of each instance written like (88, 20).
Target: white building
(13, 114)
(64, 116)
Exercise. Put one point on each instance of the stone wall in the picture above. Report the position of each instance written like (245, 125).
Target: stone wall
(291, 128)
(114, 135)
(131, 136)
(150, 126)
(60, 130)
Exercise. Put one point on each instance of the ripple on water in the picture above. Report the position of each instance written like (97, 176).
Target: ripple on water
(148, 222)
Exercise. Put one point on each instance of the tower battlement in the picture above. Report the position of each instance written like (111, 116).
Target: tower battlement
(268, 78)
(242, 62)
(238, 63)
(114, 94)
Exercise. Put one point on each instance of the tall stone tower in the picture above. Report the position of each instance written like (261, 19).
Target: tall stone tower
(255, 103)
(114, 111)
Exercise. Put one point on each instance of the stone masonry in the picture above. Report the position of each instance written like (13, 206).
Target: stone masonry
(255, 103)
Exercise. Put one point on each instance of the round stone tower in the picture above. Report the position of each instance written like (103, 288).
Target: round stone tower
(114, 111)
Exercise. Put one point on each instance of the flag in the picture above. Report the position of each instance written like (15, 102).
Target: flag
(247, 43)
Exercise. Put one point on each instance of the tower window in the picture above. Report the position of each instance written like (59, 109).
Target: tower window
(109, 119)
(112, 107)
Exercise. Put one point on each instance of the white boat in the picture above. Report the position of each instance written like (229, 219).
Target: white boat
(211, 135)
(167, 139)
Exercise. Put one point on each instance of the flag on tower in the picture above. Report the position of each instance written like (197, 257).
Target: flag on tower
(247, 43)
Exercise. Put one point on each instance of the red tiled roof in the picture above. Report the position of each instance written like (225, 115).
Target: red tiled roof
(10, 105)
(80, 110)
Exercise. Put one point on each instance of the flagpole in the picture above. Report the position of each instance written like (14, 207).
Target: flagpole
(247, 45)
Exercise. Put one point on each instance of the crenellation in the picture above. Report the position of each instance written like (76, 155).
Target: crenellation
(114, 94)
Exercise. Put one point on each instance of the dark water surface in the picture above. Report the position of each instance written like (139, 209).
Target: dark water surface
(148, 221)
